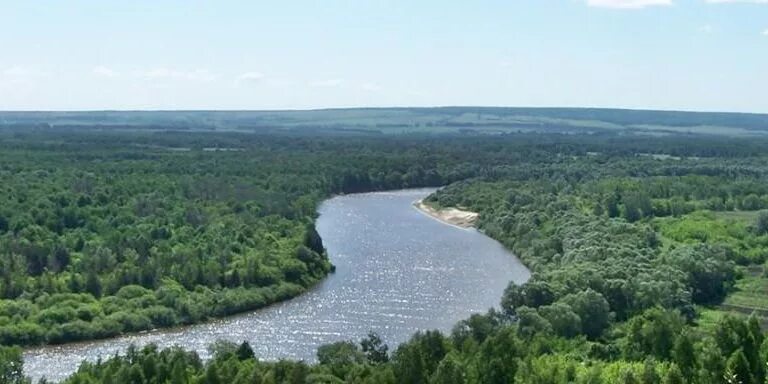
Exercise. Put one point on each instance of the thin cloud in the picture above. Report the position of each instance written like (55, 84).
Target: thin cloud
(706, 29)
(175, 74)
(628, 4)
(765, 33)
(24, 72)
(251, 77)
(105, 72)
(371, 87)
(327, 83)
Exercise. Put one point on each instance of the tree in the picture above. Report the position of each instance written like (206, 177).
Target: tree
(179, 374)
(684, 354)
(710, 273)
(653, 333)
(711, 362)
(533, 293)
(636, 206)
(449, 371)
(751, 202)
(409, 365)
(340, 357)
(212, 375)
(313, 240)
(374, 348)
(593, 310)
(93, 284)
(498, 357)
(59, 259)
(530, 323)
(416, 360)
(612, 205)
(738, 366)
(649, 374)
(674, 376)
(761, 223)
(11, 365)
(244, 351)
(564, 321)
(477, 327)
(628, 377)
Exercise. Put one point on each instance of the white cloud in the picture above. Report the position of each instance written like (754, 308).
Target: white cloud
(765, 33)
(251, 76)
(16, 71)
(371, 87)
(175, 74)
(24, 72)
(706, 29)
(627, 4)
(105, 72)
(327, 83)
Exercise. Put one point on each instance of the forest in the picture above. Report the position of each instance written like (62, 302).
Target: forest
(648, 252)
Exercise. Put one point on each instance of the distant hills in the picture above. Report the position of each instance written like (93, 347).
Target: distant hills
(457, 120)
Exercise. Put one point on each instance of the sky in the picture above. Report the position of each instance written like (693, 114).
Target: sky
(701, 55)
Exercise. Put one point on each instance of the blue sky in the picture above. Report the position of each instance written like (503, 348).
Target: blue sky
(660, 54)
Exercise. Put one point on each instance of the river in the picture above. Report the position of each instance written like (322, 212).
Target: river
(398, 271)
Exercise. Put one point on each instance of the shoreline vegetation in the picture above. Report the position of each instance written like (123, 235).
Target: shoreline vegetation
(630, 254)
(98, 249)
(449, 215)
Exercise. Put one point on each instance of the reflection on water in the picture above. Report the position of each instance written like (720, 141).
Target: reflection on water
(397, 271)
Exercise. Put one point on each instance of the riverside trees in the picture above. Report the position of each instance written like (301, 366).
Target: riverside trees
(108, 235)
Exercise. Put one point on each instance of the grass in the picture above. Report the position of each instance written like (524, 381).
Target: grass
(751, 292)
(748, 217)
(709, 317)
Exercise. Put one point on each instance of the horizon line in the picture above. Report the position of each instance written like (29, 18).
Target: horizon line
(343, 108)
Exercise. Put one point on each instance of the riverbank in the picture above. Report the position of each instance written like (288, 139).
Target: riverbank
(453, 216)
(443, 276)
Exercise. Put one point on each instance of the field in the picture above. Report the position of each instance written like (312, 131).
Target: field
(750, 293)
(375, 121)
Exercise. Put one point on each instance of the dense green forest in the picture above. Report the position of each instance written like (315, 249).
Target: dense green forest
(106, 234)
(647, 252)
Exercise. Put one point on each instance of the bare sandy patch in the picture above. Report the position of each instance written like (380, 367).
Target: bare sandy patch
(454, 216)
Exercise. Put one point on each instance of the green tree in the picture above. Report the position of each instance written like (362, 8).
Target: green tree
(674, 375)
(684, 354)
(244, 351)
(497, 359)
(761, 223)
(374, 349)
(649, 374)
(653, 333)
(738, 366)
(592, 309)
(533, 293)
(340, 357)
(11, 365)
(449, 371)
(564, 321)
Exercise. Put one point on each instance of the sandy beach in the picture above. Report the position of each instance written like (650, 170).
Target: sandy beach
(453, 216)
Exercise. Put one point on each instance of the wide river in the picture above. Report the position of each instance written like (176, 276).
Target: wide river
(398, 271)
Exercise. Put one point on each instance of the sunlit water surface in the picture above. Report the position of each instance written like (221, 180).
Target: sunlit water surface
(397, 271)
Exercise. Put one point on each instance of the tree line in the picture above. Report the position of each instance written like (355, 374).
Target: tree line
(107, 233)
